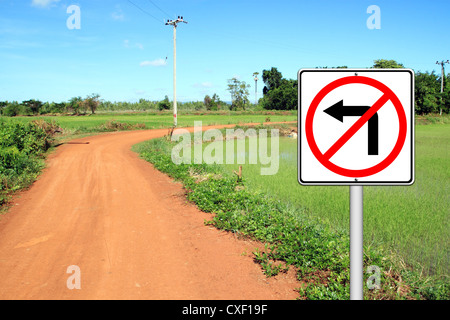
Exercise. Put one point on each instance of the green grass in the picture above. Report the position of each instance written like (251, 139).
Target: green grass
(88, 123)
(412, 221)
(294, 234)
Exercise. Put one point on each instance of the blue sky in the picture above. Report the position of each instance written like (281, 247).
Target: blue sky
(125, 53)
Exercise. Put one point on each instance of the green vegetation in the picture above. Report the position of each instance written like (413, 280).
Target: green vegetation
(306, 227)
(239, 94)
(278, 94)
(287, 220)
(24, 140)
(154, 120)
(22, 146)
(411, 221)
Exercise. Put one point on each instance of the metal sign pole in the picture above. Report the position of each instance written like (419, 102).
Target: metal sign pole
(356, 242)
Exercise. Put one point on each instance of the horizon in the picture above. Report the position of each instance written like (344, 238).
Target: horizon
(124, 51)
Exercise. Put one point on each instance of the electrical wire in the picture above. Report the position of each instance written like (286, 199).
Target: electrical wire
(146, 12)
(168, 15)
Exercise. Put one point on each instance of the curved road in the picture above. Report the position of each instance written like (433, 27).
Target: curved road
(129, 230)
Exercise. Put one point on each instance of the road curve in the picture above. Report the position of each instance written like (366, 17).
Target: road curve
(129, 230)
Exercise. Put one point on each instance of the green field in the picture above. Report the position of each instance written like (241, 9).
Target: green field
(88, 123)
(412, 221)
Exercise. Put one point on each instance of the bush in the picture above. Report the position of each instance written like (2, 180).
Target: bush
(21, 153)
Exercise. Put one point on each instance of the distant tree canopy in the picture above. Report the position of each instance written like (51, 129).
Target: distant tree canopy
(428, 96)
(74, 105)
(214, 103)
(34, 105)
(279, 93)
(91, 102)
(164, 104)
(386, 64)
(427, 90)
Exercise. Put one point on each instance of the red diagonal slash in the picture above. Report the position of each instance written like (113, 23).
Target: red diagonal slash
(356, 126)
(388, 95)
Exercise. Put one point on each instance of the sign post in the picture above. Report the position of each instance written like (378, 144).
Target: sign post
(356, 128)
(356, 243)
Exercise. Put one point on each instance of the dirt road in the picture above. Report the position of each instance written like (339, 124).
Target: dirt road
(127, 227)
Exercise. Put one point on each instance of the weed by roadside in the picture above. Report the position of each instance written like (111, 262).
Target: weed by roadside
(22, 148)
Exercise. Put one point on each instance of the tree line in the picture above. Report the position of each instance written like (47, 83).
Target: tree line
(282, 94)
(279, 93)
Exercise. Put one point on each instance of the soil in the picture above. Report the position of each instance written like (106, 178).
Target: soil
(128, 228)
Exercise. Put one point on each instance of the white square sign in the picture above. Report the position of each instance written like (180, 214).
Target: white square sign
(356, 127)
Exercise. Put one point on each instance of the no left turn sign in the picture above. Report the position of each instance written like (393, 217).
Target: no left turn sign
(356, 126)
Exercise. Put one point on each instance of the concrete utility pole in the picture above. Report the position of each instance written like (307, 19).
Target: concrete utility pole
(255, 75)
(442, 78)
(174, 23)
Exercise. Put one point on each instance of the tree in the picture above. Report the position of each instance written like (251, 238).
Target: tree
(284, 97)
(34, 105)
(3, 104)
(239, 93)
(426, 91)
(272, 79)
(279, 93)
(12, 109)
(91, 102)
(207, 101)
(58, 107)
(164, 104)
(212, 103)
(386, 64)
(75, 104)
(216, 102)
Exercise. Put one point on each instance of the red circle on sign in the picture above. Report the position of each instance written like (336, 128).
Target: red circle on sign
(401, 117)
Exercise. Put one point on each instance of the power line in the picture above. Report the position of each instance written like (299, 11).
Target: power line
(168, 15)
(442, 73)
(442, 78)
(146, 12)
(175, 23)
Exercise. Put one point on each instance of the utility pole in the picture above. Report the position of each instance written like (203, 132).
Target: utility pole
(255, 75)
(442, 78)
(174, 23)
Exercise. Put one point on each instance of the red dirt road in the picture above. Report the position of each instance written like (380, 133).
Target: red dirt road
(128, 228)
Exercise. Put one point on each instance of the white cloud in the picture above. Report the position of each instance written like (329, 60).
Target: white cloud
(43, 3)
(154, 63)
(126, 44)
(118, 14)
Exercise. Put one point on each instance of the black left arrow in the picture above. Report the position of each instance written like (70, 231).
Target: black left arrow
(339, 111)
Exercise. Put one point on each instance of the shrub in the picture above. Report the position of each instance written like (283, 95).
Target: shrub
(21, 152)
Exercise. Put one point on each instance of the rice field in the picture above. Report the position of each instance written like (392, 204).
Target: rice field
(412, 221)
(157, 120)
